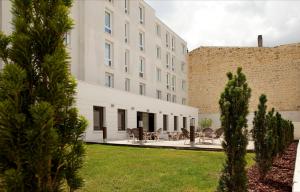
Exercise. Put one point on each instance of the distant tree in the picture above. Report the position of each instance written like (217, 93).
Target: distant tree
(234, 103)
(40, 129)
(205, 123)
(263, 138)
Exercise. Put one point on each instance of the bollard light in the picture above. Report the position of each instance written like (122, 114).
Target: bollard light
(140, 123)
(192, 122)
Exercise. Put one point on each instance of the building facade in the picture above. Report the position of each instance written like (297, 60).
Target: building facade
(274, 71)
(130, 67)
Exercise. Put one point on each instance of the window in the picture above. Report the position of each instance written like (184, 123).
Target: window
(107, 26)
(165, 122)
(141, 41)
(158, 52)
(184, 122)
(67, 38)
(109, 80)
(98, 118)
(141, 14)
(126, 32)
(126, 61)
(168, 81)
(158, 94)
(183, 67)
(175, 123)
(174, 98)
(168, 60)
(121, 120)
(183, 85)
(173, 44)
(158, 33)
(168, 97)
(158, 74)
(142, 67)
(173, 63)
(167, 39)
(173, 83)
(127, 84)
(142, 89)
(183, 101)
(127, 6)
(108, 54)
(183, 48)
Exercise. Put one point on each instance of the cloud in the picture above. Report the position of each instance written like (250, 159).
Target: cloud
(231, 22)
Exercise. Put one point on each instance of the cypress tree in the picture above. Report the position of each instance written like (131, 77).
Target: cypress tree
(40, 129)
(263, 138)
(234, 103)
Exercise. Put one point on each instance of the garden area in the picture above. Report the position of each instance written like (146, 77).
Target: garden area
(112, 168)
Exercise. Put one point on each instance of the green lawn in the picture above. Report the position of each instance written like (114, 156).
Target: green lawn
(112, 168)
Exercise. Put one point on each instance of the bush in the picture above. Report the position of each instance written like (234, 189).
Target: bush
(205, 123)
(234, 110)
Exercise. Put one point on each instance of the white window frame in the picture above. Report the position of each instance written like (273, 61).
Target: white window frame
(141, 14)
(108, 29)
(168, 96)
(183, 67)
(158, 30)
(142, 41)
(183, 49)
(168, 80)
(173, 83)
(183, 101)
(167, 39)
(126, 32)
(142, 67)
(126, 61)
(173, 43)
(158, 52)
(173, 63)
(142, 89)
(174, 98)
(183, 85)
(127, 84)
(126, 6)
(109, 80)
(158, 94)
(158, 74)
(168, 60)
(108, 60)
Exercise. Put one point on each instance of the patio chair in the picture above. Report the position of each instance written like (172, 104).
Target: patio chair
(210, 134)
(129, 134)
(156, 134)
(185, 134)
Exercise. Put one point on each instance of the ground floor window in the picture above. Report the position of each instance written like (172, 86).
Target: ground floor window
(121, 119)
(98, 118)
(165, 122)
(175, 123)
(184, 122)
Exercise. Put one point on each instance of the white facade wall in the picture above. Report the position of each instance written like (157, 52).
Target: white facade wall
(87, 46)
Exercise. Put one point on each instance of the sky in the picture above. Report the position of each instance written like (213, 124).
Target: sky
(231, 22)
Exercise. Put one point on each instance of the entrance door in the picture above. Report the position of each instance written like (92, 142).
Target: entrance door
(151, 122)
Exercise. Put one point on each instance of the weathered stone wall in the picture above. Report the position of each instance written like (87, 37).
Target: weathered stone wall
(274, 71)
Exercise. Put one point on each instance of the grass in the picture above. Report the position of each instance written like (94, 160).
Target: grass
(130, 169)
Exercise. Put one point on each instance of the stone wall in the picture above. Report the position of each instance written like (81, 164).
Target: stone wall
(274, 71)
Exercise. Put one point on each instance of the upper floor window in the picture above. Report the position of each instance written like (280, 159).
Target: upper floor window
(167, 39)
(107, 25)
(126, 32)
(126, 6)
(158, 31)
(142, 89)
(168, 60)
(127, 84)
(141, 14)
(183, 101)
(183, 85)
(173, 63)
(183, 49)
(158, 74)
(142, 67)
(158, 52)
(142, 41)
(126, 61)
(183, 67)
(174, 99)
(168, 97)
(173, 83)
(158, 94)
(168, 80)
(173, 44)
(67, 38)
(108, 54)
(109, 80)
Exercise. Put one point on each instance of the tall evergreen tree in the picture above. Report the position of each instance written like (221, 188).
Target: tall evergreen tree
(263, 138)
(234, 103)
(40, 129)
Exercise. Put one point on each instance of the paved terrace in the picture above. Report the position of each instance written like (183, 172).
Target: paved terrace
(180, 144)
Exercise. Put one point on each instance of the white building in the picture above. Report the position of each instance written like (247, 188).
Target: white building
(130, 67)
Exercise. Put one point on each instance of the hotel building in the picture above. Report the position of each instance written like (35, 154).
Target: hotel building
(129, 65)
